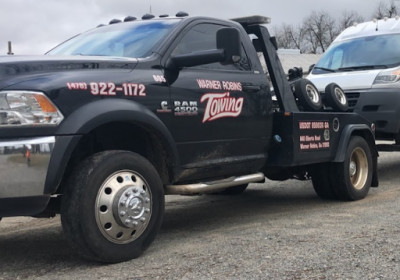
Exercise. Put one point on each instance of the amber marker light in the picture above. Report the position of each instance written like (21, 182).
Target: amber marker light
(45, 104)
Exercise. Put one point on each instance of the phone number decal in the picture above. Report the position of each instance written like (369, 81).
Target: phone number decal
(110, 89)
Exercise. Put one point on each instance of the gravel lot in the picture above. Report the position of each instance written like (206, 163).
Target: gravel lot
(278, 230)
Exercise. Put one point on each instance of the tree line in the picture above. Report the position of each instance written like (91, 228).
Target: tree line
(319, 29)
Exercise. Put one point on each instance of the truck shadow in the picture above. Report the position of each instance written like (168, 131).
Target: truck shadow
(257, 202)
(388, 166)
(262, 203)
(38, 249)
(45, 247)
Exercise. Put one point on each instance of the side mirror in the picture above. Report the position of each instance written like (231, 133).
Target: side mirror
(227, 52)
(228, 39)
(311, 68)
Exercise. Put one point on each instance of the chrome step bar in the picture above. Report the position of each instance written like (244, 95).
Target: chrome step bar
(214, 186)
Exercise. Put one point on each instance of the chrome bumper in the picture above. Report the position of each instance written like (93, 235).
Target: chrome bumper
(22, 173)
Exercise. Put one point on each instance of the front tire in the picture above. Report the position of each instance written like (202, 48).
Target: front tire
(113, 206)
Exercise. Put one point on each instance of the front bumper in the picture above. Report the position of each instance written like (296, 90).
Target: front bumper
(23, 174)
(380, 106)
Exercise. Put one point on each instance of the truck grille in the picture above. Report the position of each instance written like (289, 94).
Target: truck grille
(352, 98)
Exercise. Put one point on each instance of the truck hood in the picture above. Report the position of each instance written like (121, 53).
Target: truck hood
(354, 80)
(16, 68)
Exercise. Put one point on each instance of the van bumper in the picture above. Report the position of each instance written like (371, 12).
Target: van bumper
(380, 106)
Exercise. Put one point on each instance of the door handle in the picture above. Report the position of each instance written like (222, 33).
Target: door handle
(251, 88)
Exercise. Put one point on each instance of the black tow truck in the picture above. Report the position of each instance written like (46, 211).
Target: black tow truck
(104, 125)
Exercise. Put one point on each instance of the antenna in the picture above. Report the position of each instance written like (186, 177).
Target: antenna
(10, 48)
(376, 21)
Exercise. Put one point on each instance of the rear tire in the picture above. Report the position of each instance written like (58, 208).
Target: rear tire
(354, 176)
(322, 182)
(113, 206)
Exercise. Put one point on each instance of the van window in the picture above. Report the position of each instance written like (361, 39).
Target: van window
(337, 58)
(370, 52)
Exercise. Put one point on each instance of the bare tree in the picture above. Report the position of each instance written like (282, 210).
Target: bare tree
(282, 38)
(316, 33)
(289, 37)
(386, 9)
(347, 19)
(320, 29)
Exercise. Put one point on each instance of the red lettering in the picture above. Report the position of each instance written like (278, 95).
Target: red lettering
(220, 105)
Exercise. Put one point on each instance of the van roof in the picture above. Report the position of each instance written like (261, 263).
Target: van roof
(371, 28)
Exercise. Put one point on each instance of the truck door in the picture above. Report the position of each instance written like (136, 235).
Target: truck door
(221, 112)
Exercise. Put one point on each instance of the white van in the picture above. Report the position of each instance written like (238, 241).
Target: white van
(365, 61)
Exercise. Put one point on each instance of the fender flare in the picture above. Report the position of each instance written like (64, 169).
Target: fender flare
(94, 114)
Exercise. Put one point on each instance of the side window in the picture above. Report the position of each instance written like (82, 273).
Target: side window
(333, 59)
(337, 58)
(203, 37)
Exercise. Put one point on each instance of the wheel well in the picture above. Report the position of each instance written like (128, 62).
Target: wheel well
(122, 136)
(367, 136)
(347, 134)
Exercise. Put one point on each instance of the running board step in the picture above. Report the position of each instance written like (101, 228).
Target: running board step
(214, 186)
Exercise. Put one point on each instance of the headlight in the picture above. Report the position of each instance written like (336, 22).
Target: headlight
(27, 108)
(388, 78)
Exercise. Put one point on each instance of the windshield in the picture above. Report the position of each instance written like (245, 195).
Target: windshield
(373, 52)
(133, 39)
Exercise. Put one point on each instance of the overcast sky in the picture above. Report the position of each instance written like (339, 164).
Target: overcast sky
(35, 26)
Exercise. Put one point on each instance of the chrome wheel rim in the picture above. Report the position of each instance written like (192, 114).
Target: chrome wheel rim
(340, 96)
(358, 168)
(312, 93)
(123, 207)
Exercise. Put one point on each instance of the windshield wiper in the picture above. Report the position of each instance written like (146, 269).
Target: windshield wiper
(88, 54)
(325, 69)
(362, 67)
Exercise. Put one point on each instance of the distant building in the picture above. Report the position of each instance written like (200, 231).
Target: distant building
(293, 58)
